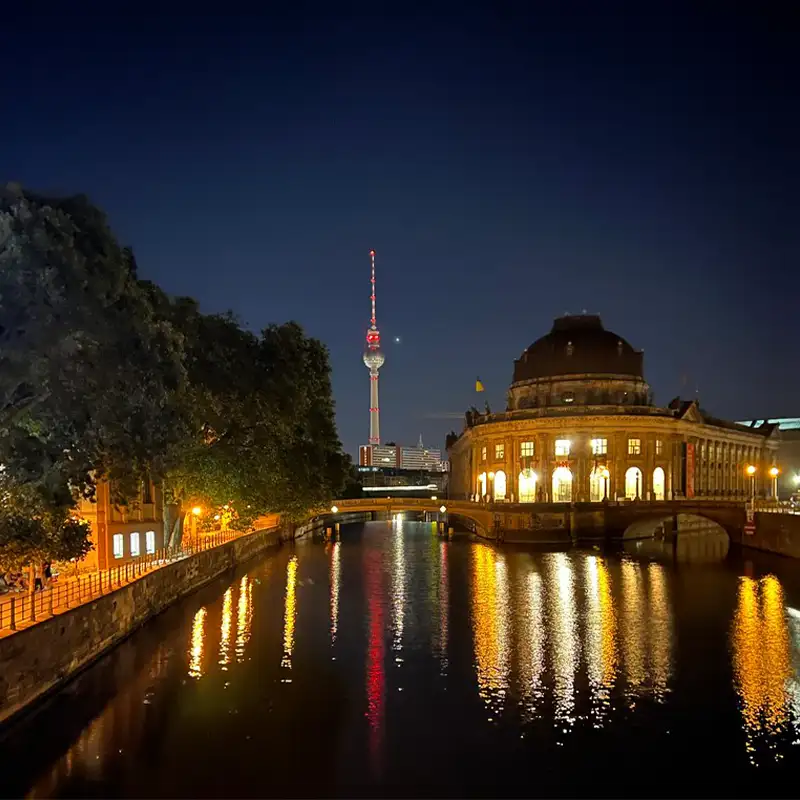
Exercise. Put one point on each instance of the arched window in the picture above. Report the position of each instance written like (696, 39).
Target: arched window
(527, 486)
(659, 484)
(562, 485)
(500, 485)
(598, 484)
(633, 483)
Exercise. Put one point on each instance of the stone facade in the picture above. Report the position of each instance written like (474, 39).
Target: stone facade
(591, 435)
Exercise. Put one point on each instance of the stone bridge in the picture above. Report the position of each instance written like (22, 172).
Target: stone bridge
(556, 523)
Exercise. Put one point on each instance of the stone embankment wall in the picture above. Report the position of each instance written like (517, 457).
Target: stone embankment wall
(39, 659)
(775, 533)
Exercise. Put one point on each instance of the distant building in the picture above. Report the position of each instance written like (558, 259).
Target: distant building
(409, 482)
(581, 425)
(400, 457)
(788, 451)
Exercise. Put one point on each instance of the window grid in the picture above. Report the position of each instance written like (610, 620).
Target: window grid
(499, 451)
(634, 447)
(526, 449)
(562, 447)
(599, 447)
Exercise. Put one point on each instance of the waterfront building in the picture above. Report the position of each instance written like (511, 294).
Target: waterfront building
(581, 426)
(401, 457)
(120, 533)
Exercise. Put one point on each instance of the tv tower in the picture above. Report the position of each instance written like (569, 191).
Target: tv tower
(373, 359)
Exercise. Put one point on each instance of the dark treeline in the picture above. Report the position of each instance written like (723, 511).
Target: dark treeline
(105, 377)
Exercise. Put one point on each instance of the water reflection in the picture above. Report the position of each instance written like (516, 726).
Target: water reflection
(565, 642)
(197, 643)
(376, 678)
(398, 585)
(289, 615)
(762, 666)
(225, 629)
(490, 620)
(335, 570)
(601, 637)
(530, 642)
(244, 617)
(444, 606)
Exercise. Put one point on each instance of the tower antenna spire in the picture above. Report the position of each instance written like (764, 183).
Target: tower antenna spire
(373, 360)
(372, 295)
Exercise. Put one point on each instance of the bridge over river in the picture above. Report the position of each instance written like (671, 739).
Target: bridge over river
(559, 523)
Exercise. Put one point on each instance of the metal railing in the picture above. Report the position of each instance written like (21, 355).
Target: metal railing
(22, 609)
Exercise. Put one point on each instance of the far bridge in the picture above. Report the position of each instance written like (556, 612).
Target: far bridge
(556, 523)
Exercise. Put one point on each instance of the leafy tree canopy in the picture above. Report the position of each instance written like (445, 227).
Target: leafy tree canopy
(103, 376)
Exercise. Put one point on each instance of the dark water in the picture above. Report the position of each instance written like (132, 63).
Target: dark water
(395, 663)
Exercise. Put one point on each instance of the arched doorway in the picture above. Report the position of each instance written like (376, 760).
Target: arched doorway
(482, 485)
(598, 484)
(633, 483)
(527, 486)
(562, 485)
(659, 484)
(500, 485)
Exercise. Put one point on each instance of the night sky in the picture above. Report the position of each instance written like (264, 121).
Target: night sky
(507, 167)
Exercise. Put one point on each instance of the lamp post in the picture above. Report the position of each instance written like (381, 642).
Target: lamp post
(773, 473)
(605, 474)
(196, 512)
(490, 487)
(751, 471)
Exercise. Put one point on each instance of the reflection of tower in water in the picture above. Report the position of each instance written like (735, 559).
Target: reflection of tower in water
(336, 568)
(375, 653)
(289, 615)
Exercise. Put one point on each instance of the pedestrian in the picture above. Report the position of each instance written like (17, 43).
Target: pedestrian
(48, 574)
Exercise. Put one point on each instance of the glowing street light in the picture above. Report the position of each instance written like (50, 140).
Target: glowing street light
(442, 509)
(197, 511)
(751, 471)
(334, 509)
(773, 473)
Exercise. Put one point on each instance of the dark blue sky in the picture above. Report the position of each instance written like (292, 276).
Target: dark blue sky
(507, 166)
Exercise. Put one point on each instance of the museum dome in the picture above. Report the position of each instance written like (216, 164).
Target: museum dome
(579, 345)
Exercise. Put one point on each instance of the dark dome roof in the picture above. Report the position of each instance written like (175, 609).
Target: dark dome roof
(575, 345)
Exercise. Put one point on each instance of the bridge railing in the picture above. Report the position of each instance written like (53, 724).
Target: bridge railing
(20, 609)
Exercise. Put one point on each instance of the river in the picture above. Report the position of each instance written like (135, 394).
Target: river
(396, 663)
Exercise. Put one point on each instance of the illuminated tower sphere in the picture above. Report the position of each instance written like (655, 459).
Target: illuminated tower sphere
(373, 358)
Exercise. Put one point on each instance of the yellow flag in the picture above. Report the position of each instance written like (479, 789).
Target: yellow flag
(478, 385)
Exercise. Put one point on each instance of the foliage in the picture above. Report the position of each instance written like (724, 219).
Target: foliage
(105, 377)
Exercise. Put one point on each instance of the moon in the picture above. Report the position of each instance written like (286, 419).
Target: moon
(397, 340)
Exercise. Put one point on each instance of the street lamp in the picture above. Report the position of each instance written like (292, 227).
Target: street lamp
(491, 487)
(605, 475)
(751, 471)
(773, 473)
(334, 509)
(442, 509)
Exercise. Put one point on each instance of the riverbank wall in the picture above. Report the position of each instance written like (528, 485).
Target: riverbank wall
(39, 660)
(774, 533)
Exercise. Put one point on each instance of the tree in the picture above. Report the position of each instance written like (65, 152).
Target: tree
(87, 372)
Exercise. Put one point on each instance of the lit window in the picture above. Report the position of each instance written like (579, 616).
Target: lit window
(150, 542)
(599, 447)
(568, 397)
(634, 447)
(483, 454)
(526, 449)
(659, 447)
(499, 451)
(562, 447)
(135, 544)
(119, 545)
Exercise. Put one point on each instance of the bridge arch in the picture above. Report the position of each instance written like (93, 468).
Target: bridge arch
(644, 526)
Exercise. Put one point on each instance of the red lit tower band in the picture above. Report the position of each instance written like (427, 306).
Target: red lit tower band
(373, 358)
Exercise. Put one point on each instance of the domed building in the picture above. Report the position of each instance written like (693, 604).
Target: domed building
(581, 426)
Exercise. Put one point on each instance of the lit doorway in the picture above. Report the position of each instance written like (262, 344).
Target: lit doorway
(598, 484)
(659, 484)
(527, 486)
(633, 483)
(482, 485)
(500, 485)
(562, 485)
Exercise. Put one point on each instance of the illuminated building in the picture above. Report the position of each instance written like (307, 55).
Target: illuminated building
(788, 451)
(581, 426)
(120, 533)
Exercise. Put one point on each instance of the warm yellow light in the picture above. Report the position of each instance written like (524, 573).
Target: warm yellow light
(197, 511)
(604, 473)
(774, 472)
(216, 517)
(491, 476)
(442, 509)
(434, 497)
(334, 509)
(751, 470)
